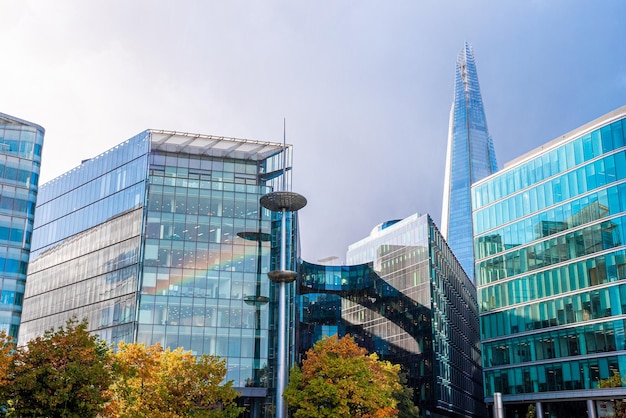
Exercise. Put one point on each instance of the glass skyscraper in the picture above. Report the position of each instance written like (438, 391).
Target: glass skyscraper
(21, 144)
(550, 237)
(470, 157)
(405, 297)
(162, 239)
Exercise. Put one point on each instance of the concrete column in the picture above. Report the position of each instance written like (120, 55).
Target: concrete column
(591, 408)
(539, 412)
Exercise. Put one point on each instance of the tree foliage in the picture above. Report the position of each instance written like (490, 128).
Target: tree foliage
(404, 398)
(69, 373)
(339, 379)
(157, 383)
(615, 381)
(6, 357)
(63, 373)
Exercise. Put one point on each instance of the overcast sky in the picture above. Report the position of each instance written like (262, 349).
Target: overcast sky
(365, 86)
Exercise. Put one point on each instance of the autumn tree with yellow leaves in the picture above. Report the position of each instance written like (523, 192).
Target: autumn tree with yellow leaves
(161, 383)
(339, 379)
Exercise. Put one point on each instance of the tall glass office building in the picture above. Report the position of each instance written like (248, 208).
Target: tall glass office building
(470, 157)
(162, 239)
(550, 237)
(21, 143)
(405, 297)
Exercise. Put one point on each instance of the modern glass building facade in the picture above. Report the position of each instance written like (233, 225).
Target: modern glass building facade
(470, 157)
(405, 297)
(550, 232)
(162, 239)
(21, 144)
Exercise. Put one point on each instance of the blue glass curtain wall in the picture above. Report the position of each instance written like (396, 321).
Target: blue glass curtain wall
(553, 376)
(566, 157)
(471, 157)
(208, 249)
(551, 264)
(594, 304)
(603, 337)
(588, 208)
(594, 175)
(93, 168)
(20, 162)
(561, 248)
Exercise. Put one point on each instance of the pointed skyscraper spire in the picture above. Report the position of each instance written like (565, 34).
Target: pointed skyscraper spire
(470, 158)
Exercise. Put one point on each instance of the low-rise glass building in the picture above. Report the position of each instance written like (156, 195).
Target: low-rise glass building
(162, 240)
(550, 231)
(21, 144)
(405, 297)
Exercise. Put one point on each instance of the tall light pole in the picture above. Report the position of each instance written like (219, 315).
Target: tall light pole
(282, 201)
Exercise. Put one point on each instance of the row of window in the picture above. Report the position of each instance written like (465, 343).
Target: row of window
(92, 193)
(86, 246)
(100, 251)
(246, 354)
(95, 168)
(91, 293)
(197, 284)
(9, 297)
(570, 309)
(236, 184)
(570, 375)
(582, 340)
(591, 207)
(14, 235)
(566, 278)
(586, 241)
(183, 165)
(10, 204)
(595, 175)
(11, 265)
(80, 220)
(573, 153)
(211, 315)
(206, 202)
(17, 176)
(188, 232)
(25, 142)
(119, 312)
(234, 258)
(168, 176)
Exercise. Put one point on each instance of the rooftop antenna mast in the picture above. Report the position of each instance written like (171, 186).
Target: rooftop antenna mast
(284, 154)
(282, 202)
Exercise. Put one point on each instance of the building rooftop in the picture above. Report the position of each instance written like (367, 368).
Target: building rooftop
(588, 127)
(214, 146)
(12, 120)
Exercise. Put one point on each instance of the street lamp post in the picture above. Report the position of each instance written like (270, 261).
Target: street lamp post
(283, 202)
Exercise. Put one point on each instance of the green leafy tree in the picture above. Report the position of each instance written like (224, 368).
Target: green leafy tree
(404, 398)
(64, 373)
(339, 379)
(531, 412)
(157, 383)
